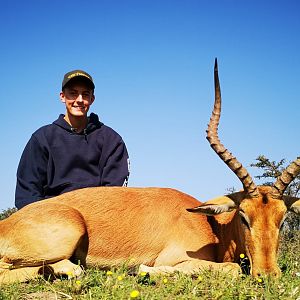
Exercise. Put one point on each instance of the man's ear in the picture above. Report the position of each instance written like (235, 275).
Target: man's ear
(93, 99)
(215, 206)
(62, 97)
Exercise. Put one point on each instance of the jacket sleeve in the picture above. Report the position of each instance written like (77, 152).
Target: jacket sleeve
(116, 168)
(31, 174)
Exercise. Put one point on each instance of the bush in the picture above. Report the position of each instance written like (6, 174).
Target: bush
(7, 212)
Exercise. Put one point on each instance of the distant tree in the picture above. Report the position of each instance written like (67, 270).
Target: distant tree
(6, 213)
(270, 171)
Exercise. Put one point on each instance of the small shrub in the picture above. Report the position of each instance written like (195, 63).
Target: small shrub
(6, 213)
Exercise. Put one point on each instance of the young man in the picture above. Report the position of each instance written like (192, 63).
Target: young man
(73, 152)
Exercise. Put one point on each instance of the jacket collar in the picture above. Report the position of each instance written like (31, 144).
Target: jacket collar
(93, 123)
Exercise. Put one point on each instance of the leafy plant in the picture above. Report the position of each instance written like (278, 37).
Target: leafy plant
(271, 170)
(6, 213)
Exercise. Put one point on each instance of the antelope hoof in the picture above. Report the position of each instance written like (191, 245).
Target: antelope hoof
(4, 265)
(144, 268)
(231, 268)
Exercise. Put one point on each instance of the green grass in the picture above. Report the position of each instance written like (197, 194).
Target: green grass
(119, 284)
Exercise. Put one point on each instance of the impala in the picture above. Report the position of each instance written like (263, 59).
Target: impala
(158, 229)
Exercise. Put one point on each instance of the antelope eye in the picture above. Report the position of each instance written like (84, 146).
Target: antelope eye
(244, 219)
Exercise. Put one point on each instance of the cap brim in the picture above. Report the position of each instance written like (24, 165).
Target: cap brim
(79, 78)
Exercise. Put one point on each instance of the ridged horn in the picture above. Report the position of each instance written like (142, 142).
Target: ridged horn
(286, 177)
(223, 153)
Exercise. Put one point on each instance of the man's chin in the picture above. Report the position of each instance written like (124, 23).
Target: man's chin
(77, 113)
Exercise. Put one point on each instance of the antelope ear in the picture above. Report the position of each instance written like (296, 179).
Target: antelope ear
(292, 203)
(295, 207)
(215, 206)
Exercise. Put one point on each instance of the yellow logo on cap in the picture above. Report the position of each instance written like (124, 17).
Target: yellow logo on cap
(78, 74)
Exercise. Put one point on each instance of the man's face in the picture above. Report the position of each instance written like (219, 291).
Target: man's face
(78, 97)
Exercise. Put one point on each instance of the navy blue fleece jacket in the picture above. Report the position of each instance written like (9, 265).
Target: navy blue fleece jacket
(57, 160)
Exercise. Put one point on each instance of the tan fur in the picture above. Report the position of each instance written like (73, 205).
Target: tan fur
(109, 226)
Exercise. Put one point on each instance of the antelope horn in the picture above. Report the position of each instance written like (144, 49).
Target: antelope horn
(286, 177)
(223, 153)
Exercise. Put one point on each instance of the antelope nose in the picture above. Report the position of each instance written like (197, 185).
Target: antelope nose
(269, 272)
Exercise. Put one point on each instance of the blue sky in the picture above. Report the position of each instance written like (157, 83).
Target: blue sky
(152, 62)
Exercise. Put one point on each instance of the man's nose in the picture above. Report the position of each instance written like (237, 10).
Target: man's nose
(79, 98)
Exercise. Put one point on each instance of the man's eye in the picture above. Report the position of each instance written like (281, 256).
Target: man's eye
(73, 95)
